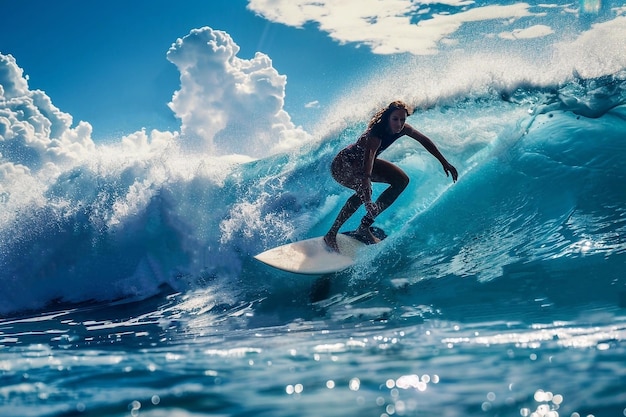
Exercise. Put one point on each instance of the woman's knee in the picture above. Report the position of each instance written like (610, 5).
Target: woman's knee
(391, 174)
(400, 181)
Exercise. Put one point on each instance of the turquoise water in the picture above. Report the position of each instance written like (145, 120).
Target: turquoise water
(127, 284)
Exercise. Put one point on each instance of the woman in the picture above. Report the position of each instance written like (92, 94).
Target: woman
(358, 165)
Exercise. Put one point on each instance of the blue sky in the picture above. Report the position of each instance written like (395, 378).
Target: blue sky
(105, 62)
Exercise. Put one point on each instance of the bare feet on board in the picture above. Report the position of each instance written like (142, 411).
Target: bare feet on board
(366, 235)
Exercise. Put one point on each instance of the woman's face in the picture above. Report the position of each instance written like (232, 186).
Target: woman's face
(397, 118)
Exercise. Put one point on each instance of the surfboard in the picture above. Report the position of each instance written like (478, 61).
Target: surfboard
(313, 257)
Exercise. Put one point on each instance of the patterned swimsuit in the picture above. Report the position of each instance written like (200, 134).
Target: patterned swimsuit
(346, 159)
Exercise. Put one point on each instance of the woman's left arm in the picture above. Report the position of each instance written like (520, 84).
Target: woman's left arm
(430, 146)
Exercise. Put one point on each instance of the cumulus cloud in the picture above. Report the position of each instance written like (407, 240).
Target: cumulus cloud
(226, 104)
(38, 143)
(33, 132)
(385, 26)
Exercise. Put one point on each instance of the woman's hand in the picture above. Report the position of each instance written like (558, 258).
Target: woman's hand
(450, 170)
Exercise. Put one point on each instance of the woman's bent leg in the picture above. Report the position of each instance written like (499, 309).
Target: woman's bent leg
(388, 173)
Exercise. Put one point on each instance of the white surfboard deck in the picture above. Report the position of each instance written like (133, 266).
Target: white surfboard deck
(312, 256)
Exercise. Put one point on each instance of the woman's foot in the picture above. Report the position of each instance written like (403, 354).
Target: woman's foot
(331, 241)
(366, 234)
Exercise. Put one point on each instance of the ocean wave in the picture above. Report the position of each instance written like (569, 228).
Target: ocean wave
(542, 180)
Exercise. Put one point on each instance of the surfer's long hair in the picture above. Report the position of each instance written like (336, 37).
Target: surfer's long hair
(380, 121)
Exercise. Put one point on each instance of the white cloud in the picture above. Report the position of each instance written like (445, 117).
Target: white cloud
(33, 132)
(228, 104)
(312, 104)
(537, 31)
(384, 26)
(38, 143)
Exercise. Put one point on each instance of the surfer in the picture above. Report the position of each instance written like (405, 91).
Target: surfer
(358, 165)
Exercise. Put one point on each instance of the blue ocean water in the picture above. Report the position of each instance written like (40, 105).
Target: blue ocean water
(127, 284)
